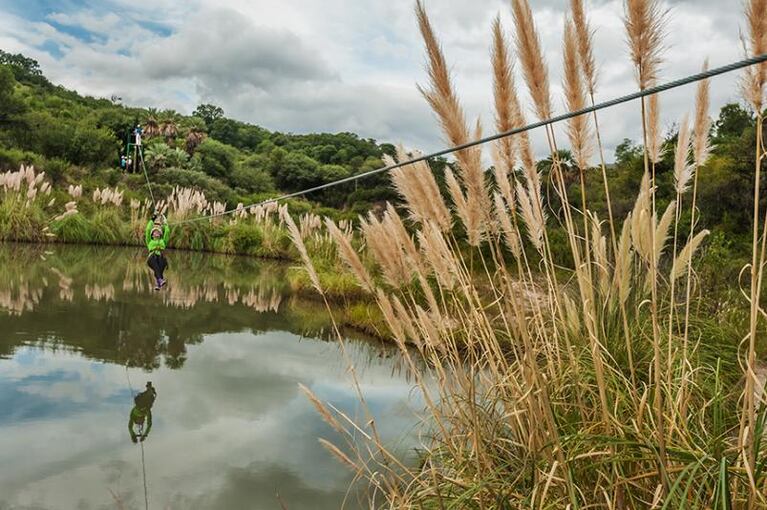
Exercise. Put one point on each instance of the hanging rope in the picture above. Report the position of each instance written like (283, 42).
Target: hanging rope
(146, 175)
(607, 104)
(141, 443)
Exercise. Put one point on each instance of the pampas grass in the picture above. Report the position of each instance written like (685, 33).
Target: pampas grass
(645, 23)
(531, 56)
(578, 129)
(532, 397)
(445, 104)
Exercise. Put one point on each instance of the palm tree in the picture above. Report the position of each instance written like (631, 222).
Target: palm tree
(195, 135)
(157, 156)
(151, 125)
(168, 126)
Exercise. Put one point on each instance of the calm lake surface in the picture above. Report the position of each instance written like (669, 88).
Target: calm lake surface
(224, 345)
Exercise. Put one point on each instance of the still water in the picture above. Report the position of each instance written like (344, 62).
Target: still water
(225, 345)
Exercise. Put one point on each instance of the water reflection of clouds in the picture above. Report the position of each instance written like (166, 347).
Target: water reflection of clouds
(231, 428)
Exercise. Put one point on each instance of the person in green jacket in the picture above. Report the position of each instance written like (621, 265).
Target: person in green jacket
(142, 414)
(157, 234)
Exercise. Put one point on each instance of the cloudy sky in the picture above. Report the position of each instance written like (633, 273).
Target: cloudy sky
(338, 65)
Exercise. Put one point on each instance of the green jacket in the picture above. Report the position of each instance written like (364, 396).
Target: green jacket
(156, 245)
(137, 417)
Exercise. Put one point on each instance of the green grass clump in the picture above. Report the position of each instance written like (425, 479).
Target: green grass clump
(72, 229)
(19, 222)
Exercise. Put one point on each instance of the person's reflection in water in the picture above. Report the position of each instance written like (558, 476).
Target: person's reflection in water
(141, 414)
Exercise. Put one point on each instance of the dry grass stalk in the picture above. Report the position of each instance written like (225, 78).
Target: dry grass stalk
(753, 91)
(295, 236)
(654, 135)
(338, 454)
(684, 259)
(503, 90)
(531, 56)
(536, 224)
(349, 255)
(585, 37)
(578, 129)
(386, 248)
(701, 146)
(683, 169)
(755, 78)
(510, 232)
(645, 25)
(416, 184)
(438, 255)
(445, 104)
(701, 152)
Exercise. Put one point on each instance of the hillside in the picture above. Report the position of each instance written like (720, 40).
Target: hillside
(78, 140)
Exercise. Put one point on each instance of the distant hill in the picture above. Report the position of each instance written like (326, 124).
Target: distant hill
(79, 139)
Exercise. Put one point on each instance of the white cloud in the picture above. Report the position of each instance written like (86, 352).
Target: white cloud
(334, 65)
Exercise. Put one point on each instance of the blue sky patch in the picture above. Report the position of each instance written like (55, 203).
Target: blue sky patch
(52, 48)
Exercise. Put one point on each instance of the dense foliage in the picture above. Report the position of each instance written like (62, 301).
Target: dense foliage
(78, 140)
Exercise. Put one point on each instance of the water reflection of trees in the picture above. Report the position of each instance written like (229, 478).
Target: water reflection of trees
(99, 301)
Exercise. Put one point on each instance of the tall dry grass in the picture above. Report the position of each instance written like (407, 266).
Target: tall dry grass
(547, 385)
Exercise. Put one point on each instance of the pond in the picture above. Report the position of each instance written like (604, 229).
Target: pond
(225, 346)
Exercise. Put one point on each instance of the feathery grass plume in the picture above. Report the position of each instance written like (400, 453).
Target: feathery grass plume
(623, 262)
(462, 207)
(510, 233)
(416, 184)
(438, 255)
(662, 229)
(701, 147)
(654, 136)
(395, 325)
(643, 221)
(396, 230)
(755, 78)
(531, 56)
(585, 38)
(683, 169)
(578, 130)
(685, 256)
(445, 104)
(386, 250)
(349, 255)
(531, 217)
(321, 409)
(645, 25)
(338, 454)
(295, 236)
(503, 88)
(501, 173)
(599, 250)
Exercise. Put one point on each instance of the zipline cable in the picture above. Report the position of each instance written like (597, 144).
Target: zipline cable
(601, 106)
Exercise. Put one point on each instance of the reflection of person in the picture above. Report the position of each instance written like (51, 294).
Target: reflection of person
(157, 234)
(142, 413)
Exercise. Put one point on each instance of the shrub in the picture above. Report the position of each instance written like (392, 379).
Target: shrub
(72, 229)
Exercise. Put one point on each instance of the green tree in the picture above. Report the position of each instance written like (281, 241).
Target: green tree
(217, 159)
(251, 175)
(11, 107)
(90, 145)
(25, 69)
(209, 113)
(733, 120)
